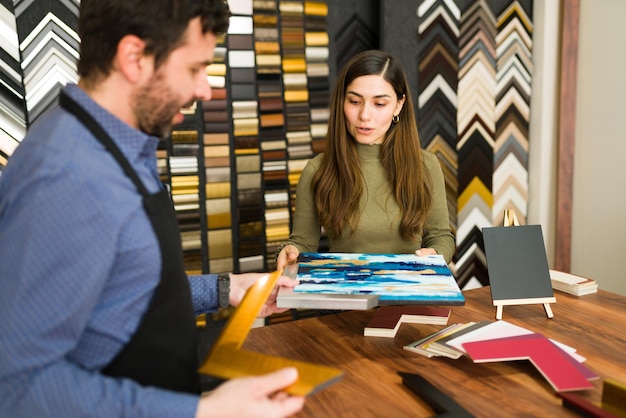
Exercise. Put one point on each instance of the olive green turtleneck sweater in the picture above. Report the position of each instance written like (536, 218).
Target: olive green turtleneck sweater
(377, 231)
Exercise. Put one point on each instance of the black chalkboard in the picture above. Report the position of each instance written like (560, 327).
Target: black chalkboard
(517, 265)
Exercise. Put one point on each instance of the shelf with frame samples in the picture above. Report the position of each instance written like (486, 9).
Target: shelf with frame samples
(233, 165)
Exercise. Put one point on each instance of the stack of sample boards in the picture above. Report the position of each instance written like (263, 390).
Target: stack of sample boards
(492, 341)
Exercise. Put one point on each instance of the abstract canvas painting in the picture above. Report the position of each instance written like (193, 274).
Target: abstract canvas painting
(393, 278)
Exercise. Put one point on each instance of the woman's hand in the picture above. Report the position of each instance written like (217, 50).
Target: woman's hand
(423, 252)
(288, 255)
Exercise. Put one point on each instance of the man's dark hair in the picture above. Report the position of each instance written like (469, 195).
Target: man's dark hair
(159, 23)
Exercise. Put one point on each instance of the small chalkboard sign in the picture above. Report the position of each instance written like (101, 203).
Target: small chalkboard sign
(518, 267)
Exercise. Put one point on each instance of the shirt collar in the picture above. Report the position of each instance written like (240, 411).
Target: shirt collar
(133, 143)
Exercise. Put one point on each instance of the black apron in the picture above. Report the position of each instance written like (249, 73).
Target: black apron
(163, 351)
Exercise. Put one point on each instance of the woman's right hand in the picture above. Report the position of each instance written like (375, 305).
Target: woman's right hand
(288, 255)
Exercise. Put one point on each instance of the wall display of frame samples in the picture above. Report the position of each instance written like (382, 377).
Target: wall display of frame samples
(185, 183)
(278, 145)
(217, 167)
(483, 153)
(233, 165)
(317, 70)
(13, 115)
(272, 126)
(163, 163)
(295, 81)
(249, 226)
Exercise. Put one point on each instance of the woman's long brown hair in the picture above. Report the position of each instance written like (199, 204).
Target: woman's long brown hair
(338, 184)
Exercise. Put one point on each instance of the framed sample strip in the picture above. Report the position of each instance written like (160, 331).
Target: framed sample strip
(185, 185)
(217, 167)
(245, 134)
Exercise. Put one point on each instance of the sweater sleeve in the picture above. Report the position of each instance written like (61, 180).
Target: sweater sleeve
(437, 233)
(306, 231)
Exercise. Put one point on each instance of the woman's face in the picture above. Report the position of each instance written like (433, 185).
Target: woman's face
(369, 106)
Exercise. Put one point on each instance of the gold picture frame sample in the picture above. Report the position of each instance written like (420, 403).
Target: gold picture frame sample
(226, 359)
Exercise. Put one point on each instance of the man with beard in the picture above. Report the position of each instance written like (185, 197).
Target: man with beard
(96, 311)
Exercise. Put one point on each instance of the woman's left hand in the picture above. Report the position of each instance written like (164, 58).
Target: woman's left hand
(423, 252)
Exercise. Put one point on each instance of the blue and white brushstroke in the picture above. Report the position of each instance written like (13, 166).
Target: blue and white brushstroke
(396, 278)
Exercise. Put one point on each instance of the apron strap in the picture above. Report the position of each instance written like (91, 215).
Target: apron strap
(70, 105)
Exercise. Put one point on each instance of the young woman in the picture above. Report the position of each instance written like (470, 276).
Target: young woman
(373, 190)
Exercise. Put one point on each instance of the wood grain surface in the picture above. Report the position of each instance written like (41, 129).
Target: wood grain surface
(371, 386)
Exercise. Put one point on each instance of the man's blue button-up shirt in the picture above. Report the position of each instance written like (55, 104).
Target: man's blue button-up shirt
(78, 265)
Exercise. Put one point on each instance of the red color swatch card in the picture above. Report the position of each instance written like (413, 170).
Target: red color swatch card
(561, 370)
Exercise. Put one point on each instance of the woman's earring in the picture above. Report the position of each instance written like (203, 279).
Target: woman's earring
(396, 118)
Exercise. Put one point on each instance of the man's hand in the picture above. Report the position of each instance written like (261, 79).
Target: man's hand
(239, 284)
(256, 396)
